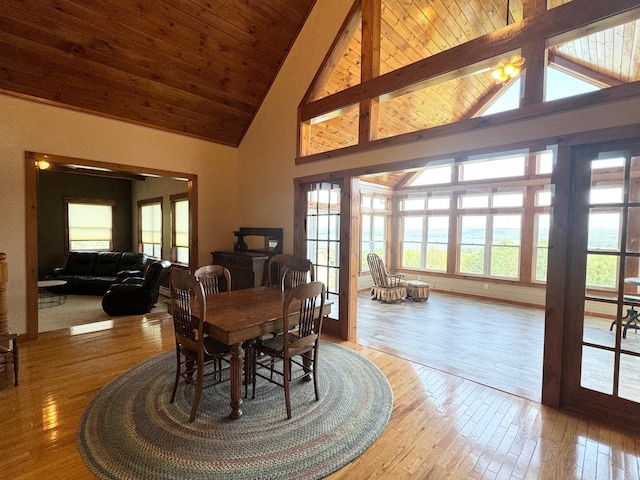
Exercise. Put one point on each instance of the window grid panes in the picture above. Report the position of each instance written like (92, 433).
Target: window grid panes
(323, 237)
(412, 241)
(151, 229)
(180, 232)
(437, 242)
(373, 225)
(487, 222)
(541, 252)
(503, 166)
(490, 245)
(604, 235)
(89, 226)
(435, 175)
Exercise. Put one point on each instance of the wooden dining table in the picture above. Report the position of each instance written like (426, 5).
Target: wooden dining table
(242, 315)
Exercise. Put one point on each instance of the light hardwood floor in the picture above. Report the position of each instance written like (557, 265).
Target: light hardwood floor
(493, 343)
(442, 426)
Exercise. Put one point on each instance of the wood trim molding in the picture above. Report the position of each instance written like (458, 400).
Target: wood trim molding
(31, 218)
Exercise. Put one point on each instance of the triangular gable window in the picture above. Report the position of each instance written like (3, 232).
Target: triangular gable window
(509, 99)
(563, 85)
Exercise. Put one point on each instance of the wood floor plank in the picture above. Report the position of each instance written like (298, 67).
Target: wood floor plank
(442, 426)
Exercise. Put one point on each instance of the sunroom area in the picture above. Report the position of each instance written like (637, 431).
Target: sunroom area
(477, 224)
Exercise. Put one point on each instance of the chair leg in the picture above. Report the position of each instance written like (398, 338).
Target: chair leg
(253, 377)
(306, 365)
(250, 372)
(15, 362)
(175, 384)
(198, 392)
(622, 319)
(315, 375)
(286, 371)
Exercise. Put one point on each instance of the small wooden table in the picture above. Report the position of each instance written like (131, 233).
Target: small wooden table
(242, 315)
(48, 298)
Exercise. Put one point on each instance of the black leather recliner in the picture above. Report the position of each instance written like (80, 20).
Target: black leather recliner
(135, 295)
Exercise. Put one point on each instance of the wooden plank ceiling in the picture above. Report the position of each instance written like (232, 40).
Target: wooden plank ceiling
(194, 67)
(412, 30)
(203, 67)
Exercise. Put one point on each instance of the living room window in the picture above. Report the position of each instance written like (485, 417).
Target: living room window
(180, 228)
(425, 239)
(375, 214)
(483, 215)
(150, 226)
(89, 225)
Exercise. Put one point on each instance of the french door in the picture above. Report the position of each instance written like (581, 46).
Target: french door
(322, 219)
(601, 372)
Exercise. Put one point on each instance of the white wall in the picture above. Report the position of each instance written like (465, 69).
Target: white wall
(31, 126)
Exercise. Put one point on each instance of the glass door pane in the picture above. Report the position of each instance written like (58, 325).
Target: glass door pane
(609, 198)
(323, 238)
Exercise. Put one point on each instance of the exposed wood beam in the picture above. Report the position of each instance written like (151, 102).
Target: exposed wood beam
(571, 17)
(83, 170)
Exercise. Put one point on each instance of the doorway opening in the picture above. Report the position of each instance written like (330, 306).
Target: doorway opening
(72, 168)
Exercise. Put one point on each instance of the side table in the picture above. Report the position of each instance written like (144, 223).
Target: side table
(47, 298)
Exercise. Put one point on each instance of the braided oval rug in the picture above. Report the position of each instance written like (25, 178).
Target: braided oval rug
(131, 431)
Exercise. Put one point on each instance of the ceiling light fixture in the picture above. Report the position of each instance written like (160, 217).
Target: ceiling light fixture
(508, 68)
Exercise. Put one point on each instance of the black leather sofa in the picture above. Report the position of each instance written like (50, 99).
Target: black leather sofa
(92, 273)
(135, 295)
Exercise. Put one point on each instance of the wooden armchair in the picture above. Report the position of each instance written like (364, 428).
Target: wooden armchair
(386, 287)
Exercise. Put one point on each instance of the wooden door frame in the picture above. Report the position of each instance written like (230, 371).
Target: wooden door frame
(345, 326)
(613, 409)
(31, 220)
(557, 329)
(555, 325)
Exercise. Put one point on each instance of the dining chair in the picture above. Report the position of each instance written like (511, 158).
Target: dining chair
(195, 351)
(214, 279)
(217, 279)
(285, 271)
(293, 355)
(387, 287)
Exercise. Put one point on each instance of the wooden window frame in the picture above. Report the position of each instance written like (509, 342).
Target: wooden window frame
(145, 203)
(179, 197)
(375, 212)
(94, 201)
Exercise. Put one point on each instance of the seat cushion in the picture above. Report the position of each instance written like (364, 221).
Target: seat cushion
(395, 294)
(417, 290)
(107, 264)
(275, 344)
(214, 347)
(80, 263)
(132, 261)
(92, 285)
